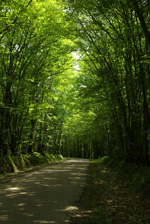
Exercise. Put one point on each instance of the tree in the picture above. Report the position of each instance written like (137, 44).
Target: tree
(115, 38)
(34, 49)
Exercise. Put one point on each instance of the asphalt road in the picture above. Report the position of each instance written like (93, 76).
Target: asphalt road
(44, 196)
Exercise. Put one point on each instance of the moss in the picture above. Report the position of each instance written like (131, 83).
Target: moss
(4, 166)
(10, 164)
(37, 159)
(19, 162)
(50, 157)
(59, 157)
(27, 160)
(7, 165)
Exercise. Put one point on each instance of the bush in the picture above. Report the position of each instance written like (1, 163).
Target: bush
(37, 159)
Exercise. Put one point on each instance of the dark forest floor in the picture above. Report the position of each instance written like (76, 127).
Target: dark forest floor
(107, 200)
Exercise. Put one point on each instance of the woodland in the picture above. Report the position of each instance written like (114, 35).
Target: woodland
(75, 78)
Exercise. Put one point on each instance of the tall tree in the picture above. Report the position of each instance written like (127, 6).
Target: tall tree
(34, 48)
(115, 38)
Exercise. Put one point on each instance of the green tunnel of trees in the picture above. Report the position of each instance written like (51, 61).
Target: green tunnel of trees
(75, 78)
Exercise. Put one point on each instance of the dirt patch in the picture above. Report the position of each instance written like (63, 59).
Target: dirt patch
(107, 200)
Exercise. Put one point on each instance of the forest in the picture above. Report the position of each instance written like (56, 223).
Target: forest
(75, 78)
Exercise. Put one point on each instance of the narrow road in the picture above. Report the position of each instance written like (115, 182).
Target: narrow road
(44, 196)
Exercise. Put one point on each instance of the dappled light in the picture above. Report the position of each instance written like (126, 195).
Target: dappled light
(50, 193)
(42, 222)
(74, 83)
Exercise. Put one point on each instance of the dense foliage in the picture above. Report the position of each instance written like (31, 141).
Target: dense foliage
(74, 78)
(114, 76)
(33, 50)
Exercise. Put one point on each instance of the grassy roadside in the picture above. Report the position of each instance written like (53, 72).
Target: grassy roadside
(113, 195)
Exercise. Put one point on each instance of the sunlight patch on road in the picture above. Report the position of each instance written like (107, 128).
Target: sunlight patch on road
(28, 214)
(14, 194)
(20, 204)
(70, 208)
(13, 189)
(3, 218)
(44, 222)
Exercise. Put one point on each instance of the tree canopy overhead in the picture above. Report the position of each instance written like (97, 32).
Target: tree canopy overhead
(74, 78)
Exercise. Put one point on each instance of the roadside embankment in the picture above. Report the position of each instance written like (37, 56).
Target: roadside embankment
(115, 192)
(20, 162)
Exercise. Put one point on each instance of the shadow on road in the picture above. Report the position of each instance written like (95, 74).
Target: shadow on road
(43, 196)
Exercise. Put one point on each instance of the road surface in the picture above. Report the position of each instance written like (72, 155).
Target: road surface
(44, 196)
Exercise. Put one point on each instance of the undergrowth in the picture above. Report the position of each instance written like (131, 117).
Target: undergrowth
(134, 176)
(115, 192)
(13, 164)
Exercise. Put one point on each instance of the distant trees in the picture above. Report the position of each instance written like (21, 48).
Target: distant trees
(115, 47)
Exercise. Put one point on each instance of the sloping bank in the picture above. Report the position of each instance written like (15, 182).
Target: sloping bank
(12, 164)
(115, 192)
